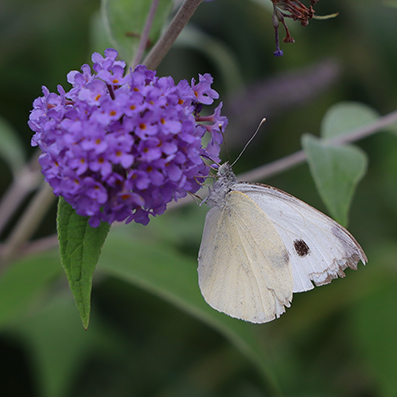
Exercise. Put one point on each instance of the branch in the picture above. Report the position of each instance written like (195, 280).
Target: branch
(23, 184)
(278, 166)
(145, 34)
(165, 42)
(292, 160)
(28, 223)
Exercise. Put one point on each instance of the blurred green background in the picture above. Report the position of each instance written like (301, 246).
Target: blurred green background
(150, 333)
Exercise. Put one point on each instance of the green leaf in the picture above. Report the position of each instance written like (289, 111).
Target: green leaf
(125, 20)
(11, 148)
(80, 246)
(336, 171)
(346, 117)
(161, 270)
(22, 283)
(375, 328)
(58, 348)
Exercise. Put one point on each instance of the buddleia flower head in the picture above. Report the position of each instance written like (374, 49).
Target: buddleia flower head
(119, 147)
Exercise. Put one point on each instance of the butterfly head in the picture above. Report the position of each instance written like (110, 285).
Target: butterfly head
(225, 172)
(225, 179)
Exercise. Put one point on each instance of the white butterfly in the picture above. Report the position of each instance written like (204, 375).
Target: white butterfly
(261, 244)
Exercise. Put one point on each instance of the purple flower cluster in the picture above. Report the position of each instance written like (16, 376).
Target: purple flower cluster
(120, 147)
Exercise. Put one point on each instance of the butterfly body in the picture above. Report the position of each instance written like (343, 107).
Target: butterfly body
(260, 245)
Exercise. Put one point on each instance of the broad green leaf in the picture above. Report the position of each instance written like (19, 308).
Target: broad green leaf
(125, 20)
(336, 171)
(23, 281)
(11, 148)
(375, 328)
(161, 270)
(58, 347)
(80, 246)
(346, 117)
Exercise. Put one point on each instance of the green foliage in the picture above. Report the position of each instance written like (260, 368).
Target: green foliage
(23, 282)
(80, 248)
(338, 169)
(345, 117)
(375, 324)
(173, 277)
(336, 172)
(58, 347)
(125, 21)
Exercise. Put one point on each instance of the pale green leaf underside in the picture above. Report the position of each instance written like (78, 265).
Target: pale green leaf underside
(346, 117)
(336, 171)
(80, 246)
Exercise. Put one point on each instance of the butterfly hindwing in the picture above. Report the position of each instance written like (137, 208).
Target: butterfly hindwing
(244, 268)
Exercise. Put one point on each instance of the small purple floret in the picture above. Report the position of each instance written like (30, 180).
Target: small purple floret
(120, 147)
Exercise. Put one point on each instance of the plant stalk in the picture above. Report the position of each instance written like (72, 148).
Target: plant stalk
(165, 42)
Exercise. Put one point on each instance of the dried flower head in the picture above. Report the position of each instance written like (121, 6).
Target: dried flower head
(290, 9)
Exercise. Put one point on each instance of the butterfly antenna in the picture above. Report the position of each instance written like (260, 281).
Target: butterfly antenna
(246, 145)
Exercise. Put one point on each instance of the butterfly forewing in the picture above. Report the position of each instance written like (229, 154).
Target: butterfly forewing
(319, 248)
(244, 268)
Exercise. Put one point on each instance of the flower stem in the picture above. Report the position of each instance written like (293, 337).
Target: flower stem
(145, 34)
(278, 166)
(292, 160)
(28, 223)
(25, 182)
(165, 42)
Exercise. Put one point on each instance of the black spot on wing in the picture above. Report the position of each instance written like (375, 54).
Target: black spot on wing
(301, 248)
